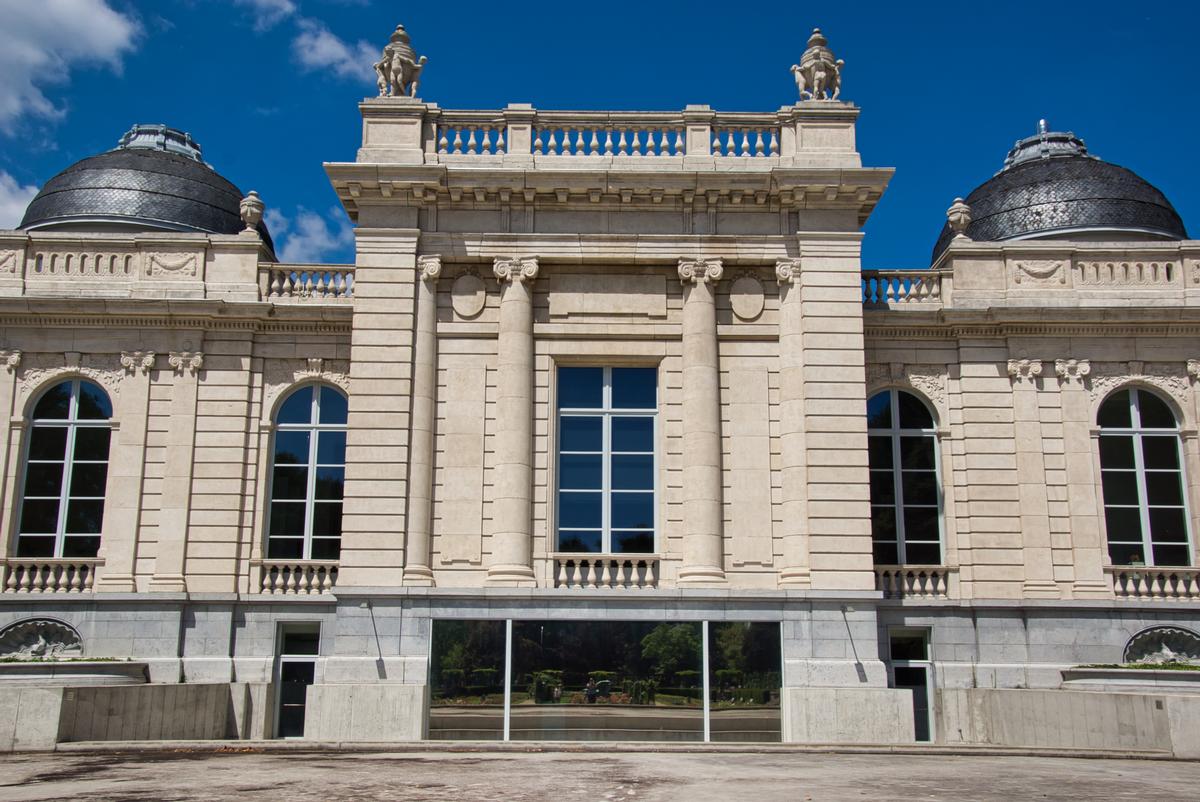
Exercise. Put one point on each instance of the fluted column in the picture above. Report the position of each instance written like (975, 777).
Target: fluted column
(512, 497)
(417, 570)
(795, 570)
(703, 544)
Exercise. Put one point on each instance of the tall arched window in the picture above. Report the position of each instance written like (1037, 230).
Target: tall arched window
(308, 471)
(906, 526)
(66, 470)
(1142, 476)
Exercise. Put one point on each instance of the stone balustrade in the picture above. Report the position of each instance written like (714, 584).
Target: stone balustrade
(306, 283)
(580, 571)
(46, 575)
(296, 577)
(469, 134)
(750, 141)
(913, 581)
(890, 288)
(1157, 584)
(602, 134)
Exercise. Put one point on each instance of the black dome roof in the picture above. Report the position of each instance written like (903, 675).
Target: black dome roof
(154, 180)
(1050, 186)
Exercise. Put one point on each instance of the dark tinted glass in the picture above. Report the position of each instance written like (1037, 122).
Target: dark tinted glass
(579, 510)
(633, 542)
(327, 519)
(43, 479)
(580, 388)
(920, 523)
(29, 546)
(84, 517)
(285, 548)
(909, 647)
(289, 481)
(1120, 487)
(581, 542)
(88, 480)
(1167, 525)
(1164, 489)
(287, 518)
(86, 547)
(39, 517)
(1160, 451)
(745, 676)
(582, 434)
(879, 411)
(916, 452)
(1116, 452)
(301, 643)
(93, 402)
(91, 443)
(883, 487)
(913, 413)
(634, 388)
(326, 548)
(632, 511)
(1126, 553)
(1114, 412)
(1154, 412)
(920, 487)
(633, 434)
(885, 552)
(880, 452)
(1123, 523)
(331, 448)
(466, 680)
(333, 407)
(330, 482)
(580, 471)
(922, 553)
(291, 448)
(55, 403)
(48, 442)
(883, 523)
(1171, 554)
(297, 407)
(633, 472)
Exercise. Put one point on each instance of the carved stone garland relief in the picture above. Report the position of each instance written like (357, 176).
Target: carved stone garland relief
(37, 370)
(1165, 376)
(281, 374)
(927, 380)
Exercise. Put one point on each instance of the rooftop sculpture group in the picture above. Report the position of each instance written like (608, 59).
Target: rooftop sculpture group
(818, 75)
(398, 71)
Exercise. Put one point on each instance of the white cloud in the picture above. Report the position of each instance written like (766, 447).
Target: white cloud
(41, 41)
(13, 200)
(309, 237)
(268, 13)
(318, 48)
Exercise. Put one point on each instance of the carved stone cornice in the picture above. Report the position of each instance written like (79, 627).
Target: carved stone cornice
(430, 268)
(700, 271)
(787, 271)
(516, 269)
(134, 361)
(1024, 369)
(11, 359)
(1069, 370)
(186, 361)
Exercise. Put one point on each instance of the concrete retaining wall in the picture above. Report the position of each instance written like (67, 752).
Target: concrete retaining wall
(146, 713)
(847, 715)
(378, 712)
(29, 717)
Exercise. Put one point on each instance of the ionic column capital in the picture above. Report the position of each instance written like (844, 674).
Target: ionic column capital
(700, 271)
(1024, 369)
(787, 271)
(430, 268)
(516, 269)
(1069, 370)
(134, 361)
(186, 361)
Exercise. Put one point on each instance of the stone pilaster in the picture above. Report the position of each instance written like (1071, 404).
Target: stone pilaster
(170, 562)
(703, 545)
(10, 359)
(1031, 480)
(795, 571)
(1089, 549)
(126, 468)
(417, 555)
(512, 499)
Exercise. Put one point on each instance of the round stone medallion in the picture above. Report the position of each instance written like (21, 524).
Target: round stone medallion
(746, 297)
(468, 295)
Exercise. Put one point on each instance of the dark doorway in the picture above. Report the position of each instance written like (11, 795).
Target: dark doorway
(296, 670)
(911, 669)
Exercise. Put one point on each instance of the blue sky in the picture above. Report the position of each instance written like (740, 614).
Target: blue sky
(269, 87)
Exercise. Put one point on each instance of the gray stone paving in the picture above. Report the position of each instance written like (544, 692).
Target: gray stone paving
(603, 777)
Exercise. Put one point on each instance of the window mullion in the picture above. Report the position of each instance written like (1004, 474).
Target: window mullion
(310, 492)
(606, 483)
(64, 492)
(897, 477)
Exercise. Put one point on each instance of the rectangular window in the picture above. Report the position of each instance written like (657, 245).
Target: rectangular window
(606, 459)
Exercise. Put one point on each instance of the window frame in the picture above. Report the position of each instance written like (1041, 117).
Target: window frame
(1137, 433)
(311, 466)
(895, 432)
(606, 412)
(72, 423)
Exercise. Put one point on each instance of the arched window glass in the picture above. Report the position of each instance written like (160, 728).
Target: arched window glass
(308, 471)
(66, 470)
(1142, 476)
(906, 526)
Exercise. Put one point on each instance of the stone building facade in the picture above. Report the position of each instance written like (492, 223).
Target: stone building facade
(619, 377)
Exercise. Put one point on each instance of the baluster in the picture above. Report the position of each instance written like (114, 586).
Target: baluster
(759, 137)
(622, 145)
(608, 142)
(76, 581)
(635, 142)
(774, 149)
(471, 145)
(745, 141)
(10, 579)
(716, 143)
(537, 142)
(594, 145)
(560, 573)
(580, 145)
(458, 142)
(277, 579)
(26, 579)
(443, 143)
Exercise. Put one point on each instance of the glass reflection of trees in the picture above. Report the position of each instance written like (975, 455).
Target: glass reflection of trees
(745, 673)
